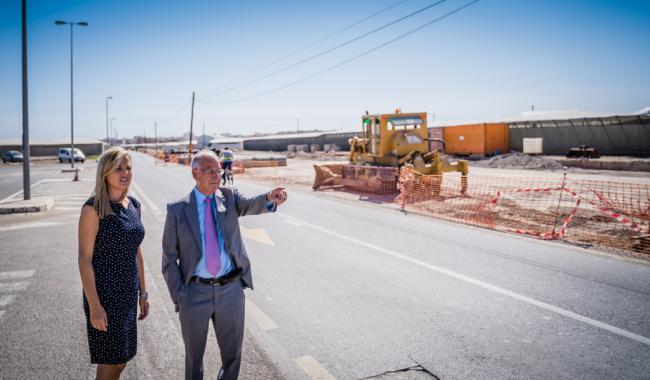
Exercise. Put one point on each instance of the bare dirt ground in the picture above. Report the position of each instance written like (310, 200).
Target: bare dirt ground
(299, 172)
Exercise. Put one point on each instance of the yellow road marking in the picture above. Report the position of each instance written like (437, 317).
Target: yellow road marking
(262, 320)
(258, 234)
(313, 369)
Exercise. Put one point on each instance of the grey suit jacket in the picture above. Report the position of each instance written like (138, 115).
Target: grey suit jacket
(182, 237)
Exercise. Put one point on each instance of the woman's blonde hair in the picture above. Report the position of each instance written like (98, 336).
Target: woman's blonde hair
(108, 161)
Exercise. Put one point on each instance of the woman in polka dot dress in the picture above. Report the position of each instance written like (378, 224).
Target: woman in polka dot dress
(111, 266)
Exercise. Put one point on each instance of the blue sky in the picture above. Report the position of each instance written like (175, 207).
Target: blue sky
(491, 60)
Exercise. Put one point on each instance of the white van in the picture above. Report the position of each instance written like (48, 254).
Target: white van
(64, 155)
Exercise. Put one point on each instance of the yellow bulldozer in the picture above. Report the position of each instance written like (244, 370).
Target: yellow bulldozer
(388, 140)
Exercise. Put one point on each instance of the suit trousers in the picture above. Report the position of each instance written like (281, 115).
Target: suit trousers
(224, 305)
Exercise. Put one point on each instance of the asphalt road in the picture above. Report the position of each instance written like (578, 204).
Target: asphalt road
(11, 174)
(42, 327)
(351, 290)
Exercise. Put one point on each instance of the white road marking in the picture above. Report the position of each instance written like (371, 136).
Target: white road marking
(313, 369)
(147, 201)
(67, 203)
(16, 274)
(29, 225)
(154, 289)
(18, 192)
(295, 222)
(262, 320)
(13, 286)
(6, 300)
(485, 285)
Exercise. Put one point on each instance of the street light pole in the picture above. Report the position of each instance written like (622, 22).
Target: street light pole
(27, 194)
(155, 137)
(83, 23)
(107, 99)
(112, 130)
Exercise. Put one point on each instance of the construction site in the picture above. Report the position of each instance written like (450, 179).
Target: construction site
(471, 174)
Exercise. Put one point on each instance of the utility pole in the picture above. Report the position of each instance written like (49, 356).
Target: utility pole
(107, 135)
(71, 106)
(204, 135)
(191, 123)
(112, 131)
(155, 138)
(298, 124)
(27, 193)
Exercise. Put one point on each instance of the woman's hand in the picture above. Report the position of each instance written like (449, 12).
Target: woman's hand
(144, 309)
(98, 318)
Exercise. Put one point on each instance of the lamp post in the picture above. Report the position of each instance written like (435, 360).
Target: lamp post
(83, 23)
(27, 192)
(112, 131)
(107, 137)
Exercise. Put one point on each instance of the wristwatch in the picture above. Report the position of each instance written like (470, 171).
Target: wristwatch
(144, 296)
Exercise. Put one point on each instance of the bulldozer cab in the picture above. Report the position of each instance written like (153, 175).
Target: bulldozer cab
(388, 137)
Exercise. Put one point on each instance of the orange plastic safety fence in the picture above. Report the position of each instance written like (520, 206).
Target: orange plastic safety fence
(612, 215)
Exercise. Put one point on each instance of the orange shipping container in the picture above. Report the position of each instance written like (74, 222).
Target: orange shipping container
(485, 139)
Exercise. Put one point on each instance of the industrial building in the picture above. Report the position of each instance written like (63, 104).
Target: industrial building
(50, 147)
(278, 143)
(627, 135)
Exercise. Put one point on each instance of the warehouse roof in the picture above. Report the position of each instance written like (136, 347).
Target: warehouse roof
(56, 141)
(554, 117)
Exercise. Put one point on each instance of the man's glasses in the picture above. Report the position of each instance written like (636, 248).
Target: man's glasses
(213, 172)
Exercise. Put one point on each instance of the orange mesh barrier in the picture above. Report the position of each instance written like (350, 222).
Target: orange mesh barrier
(254, 163)
(613, 215)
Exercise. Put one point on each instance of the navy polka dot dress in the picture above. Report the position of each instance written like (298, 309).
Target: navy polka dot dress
(116, 278)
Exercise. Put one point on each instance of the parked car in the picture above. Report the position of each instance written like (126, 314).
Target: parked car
(12, 156)
(64, 155)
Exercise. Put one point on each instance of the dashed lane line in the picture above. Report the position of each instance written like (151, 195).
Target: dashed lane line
(13, 286)
(313, 369)
(262, 320)
(31, 225)
(484, 285)
(16, 274)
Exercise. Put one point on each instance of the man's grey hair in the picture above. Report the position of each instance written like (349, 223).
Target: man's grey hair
(201, 155)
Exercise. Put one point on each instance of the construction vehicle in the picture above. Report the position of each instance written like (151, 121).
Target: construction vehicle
(389, 140)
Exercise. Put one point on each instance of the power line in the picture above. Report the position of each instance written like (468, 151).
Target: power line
(305, 47)
(285, 68)
(330, 68)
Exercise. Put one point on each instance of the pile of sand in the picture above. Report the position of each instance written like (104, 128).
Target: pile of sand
(519, 161)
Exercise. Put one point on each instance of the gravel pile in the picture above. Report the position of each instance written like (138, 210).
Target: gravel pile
(519, 161)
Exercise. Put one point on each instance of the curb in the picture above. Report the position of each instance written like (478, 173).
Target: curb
(26, 206)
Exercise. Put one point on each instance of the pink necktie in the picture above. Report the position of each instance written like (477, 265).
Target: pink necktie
(212, 254)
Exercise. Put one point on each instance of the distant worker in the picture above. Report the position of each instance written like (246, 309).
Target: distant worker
(227, 159)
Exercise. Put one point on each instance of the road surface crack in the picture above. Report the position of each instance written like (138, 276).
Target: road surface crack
(416, 368)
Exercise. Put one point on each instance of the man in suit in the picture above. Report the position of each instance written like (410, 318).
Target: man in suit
(205, 264)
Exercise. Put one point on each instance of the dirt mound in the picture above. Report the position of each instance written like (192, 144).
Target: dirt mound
(519, 161)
